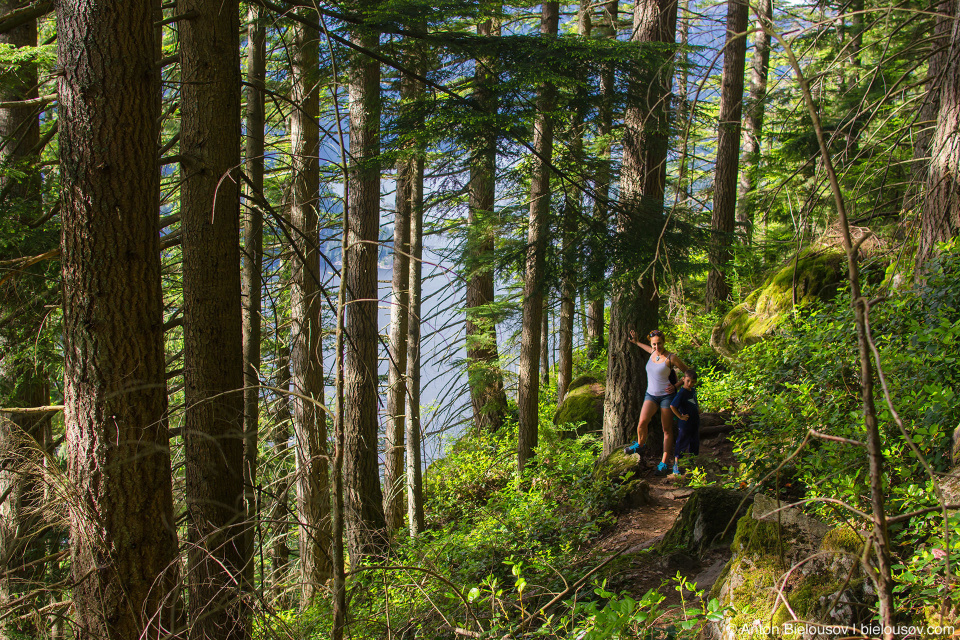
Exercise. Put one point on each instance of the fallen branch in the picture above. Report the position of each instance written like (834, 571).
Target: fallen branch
(54, 408)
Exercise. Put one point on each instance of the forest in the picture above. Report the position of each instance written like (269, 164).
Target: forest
(316, 319)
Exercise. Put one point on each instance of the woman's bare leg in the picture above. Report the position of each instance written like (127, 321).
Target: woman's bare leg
(666, 419)
(646, 412)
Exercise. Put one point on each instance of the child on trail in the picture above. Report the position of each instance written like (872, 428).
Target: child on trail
(684, 406)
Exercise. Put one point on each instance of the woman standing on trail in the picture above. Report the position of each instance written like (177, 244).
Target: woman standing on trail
(659, 395)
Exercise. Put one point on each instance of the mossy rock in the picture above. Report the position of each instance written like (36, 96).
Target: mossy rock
(843, 539)
(703, 519)
(588, 378)
(616, 465)
(763, 549)
(812, 599)
(582, 407)
(818, 275)
(636, 494)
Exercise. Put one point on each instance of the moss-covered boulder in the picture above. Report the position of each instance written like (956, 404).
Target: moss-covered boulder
(582, 408)
(818, 274)
(826, 586)
(622, 471)
(704, 519)
(617, 464)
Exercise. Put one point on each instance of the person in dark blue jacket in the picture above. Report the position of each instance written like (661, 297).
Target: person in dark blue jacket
(684, 406)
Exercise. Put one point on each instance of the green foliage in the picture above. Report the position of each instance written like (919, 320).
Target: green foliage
(807, 377)
(480, 511)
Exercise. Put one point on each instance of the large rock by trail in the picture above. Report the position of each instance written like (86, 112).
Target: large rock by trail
(815, 274)
(708, 519)
(825, 587)
(582, 406)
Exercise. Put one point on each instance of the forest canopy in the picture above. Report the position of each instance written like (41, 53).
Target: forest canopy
(294, 296)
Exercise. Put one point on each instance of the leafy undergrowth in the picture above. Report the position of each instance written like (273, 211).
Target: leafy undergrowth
(501, 546)
(808, 377)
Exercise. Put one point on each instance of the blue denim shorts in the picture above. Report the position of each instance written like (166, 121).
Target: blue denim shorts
(663, 401)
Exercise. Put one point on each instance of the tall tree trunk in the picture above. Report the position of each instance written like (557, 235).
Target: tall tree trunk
(409, 193)
(636, 303)
(728, 154)
(927, 118)
(601, 206)
(940, 218)
(572, 210)
(537, 231)
(364, 499)
(280, 552)
(753, 123)
(393, 459)
(122, 530)
(306, 347)
(212, 335)
(415, 512)
(485, 376)
(252, 268)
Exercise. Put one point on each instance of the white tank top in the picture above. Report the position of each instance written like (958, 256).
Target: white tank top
(658, 376)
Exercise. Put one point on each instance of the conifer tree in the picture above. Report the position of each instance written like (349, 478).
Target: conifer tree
(635, 301)
(306, 349)
(728, 153)
(253, 266)
(122, 529)
(364, 498)
(212, 335)
(537, 230)
(485, 377)
(601, 207)
(753, 122)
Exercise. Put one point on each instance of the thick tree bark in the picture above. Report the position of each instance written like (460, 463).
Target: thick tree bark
(364, 499)
(213, 349)
(635, 303)
(927, 118)
(252, 268)
(728, 154)
(485, 376)
(415, 512)
(122, 531)
(601, 207)
(306, 348)
(940, 218)
(537, 231)
(753, 123)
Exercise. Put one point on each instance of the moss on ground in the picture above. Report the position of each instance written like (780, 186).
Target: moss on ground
(843, 539)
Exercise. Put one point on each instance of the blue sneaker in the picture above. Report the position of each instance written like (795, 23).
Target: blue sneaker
(662, 469)
(636, 447)
(676, 469)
